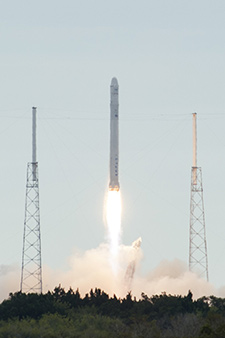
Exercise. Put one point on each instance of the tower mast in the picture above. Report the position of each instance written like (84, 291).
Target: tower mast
(31, 274)
(198, 258)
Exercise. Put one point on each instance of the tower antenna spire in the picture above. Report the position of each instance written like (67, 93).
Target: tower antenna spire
(31, 274)
(34, 146)
(34, 142)
(194, 149)
(194, 140)
(198, 258)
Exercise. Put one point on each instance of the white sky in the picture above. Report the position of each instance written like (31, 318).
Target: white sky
(60, 56)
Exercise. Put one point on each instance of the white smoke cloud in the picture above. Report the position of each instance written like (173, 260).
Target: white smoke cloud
(9, 280)
(173, 277)
(92, 269)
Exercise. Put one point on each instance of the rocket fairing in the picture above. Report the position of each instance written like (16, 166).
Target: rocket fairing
(114, 137)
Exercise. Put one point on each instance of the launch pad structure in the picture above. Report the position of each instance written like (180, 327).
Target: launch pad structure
(31, 274)
(198, 258)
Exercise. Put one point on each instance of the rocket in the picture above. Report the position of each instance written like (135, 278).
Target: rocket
(114, 137)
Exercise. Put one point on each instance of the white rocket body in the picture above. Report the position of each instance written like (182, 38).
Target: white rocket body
(114, 137)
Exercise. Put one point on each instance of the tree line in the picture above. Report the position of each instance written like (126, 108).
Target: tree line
(63, 313)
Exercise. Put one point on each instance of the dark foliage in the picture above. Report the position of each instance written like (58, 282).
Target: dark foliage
(103, 316)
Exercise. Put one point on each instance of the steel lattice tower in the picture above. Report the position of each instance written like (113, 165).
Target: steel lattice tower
(198, 258)
(31, 275)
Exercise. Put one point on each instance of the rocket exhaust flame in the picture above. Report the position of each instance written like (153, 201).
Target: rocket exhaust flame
(113, 217)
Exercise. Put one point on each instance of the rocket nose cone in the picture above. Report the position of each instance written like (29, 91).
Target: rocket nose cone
(114, 82)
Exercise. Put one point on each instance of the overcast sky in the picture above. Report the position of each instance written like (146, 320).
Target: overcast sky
(60, 56)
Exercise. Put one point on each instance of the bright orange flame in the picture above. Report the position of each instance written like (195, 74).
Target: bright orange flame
(113, 217)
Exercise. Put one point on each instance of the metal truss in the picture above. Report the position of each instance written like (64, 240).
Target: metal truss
(198, 259)
(31, 275)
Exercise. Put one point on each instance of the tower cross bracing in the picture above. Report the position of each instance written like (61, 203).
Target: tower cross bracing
(198, 257)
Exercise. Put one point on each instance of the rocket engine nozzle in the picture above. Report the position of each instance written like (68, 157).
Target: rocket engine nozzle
(114, 188)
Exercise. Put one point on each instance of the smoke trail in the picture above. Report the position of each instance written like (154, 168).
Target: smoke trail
(132, 265)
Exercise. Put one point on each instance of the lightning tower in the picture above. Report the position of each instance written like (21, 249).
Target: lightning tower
(31, 274)
(198, 259)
